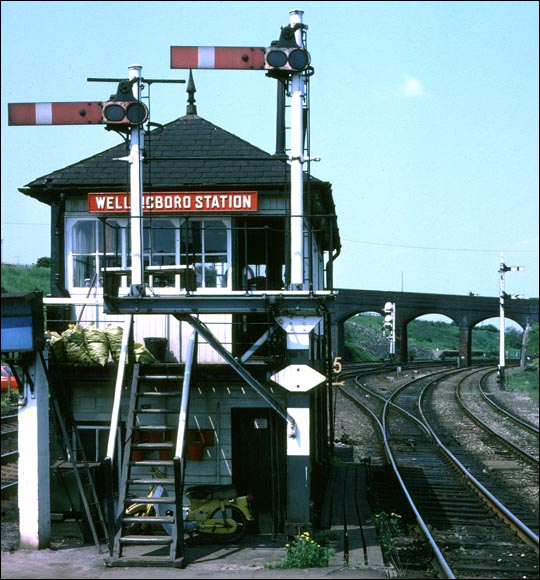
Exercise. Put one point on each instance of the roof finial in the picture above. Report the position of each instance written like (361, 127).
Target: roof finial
(191, 108)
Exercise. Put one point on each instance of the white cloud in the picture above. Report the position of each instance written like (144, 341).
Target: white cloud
(412, 88)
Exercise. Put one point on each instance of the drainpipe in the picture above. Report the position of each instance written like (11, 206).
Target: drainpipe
(58, 258)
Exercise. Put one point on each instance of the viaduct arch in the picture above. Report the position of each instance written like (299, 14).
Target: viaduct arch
(465, 311)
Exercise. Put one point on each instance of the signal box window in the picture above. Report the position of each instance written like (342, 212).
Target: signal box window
(91, 242)
(205, 246)
(179, 253)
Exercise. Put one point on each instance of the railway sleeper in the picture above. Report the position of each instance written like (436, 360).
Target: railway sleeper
(531, 571)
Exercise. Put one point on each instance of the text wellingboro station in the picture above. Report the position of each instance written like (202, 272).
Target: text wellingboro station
(114, 202)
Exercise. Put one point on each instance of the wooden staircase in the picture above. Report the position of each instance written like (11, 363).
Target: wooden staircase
(148, 533)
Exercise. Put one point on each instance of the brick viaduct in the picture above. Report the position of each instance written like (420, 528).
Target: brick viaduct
(465, 311)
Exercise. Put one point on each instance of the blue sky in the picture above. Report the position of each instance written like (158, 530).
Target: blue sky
(424, 115)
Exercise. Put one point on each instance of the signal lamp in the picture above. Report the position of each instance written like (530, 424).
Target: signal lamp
(286, 59)
(131, 113)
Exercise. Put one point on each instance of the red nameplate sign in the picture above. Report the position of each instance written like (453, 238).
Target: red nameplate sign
(176, 202)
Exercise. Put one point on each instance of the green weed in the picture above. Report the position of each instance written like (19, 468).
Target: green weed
(304, 552)
(387, 530)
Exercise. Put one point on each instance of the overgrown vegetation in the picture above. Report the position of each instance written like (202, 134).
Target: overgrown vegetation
(523, 381)
(304, 552)
(387, 531)
(9, 400)
(364, 340)
(26, 278)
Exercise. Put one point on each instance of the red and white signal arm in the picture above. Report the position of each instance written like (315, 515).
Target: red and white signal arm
(121, 113)
(76, 113)
(218, 57)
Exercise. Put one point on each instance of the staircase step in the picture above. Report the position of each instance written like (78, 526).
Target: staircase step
(161, 445)
(145, 560)
(151, 481)
(150, 378)
(152, 500)
(145, 540)
(151, 462)
(158, 411)
(148, 520)
(159, 394)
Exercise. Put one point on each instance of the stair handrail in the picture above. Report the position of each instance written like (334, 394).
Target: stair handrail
(178, 459)
(111, 444)
(182, 419)
(115, 414)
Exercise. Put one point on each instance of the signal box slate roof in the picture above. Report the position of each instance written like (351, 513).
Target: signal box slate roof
(204, 157)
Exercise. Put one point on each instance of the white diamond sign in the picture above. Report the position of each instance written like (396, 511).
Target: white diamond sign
(298, 378)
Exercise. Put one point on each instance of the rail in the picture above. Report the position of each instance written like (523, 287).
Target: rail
(505, 416)
(412, 460)
(524, 424)
(438, 557)
(9, 457)
(518, 526)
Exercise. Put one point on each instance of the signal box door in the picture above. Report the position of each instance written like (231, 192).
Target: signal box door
(259, 464)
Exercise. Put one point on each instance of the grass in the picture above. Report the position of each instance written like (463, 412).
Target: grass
(26, 279)
(524, 382)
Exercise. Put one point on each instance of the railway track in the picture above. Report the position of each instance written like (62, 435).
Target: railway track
(10, 452)
(474, 498)
(498, 448)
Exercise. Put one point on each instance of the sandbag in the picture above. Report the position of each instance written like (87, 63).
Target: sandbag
(57, 345)
(75, 345)
(143, 355)
(98, 344)
(114, 336)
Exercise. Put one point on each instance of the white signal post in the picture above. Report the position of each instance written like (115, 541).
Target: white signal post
(136, 180)
(288, 63)
(297, 160)
(503, 268)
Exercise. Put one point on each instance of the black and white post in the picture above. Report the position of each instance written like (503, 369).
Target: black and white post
(503, 268)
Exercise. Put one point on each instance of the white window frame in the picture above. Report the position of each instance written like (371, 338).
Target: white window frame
(71, 221)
